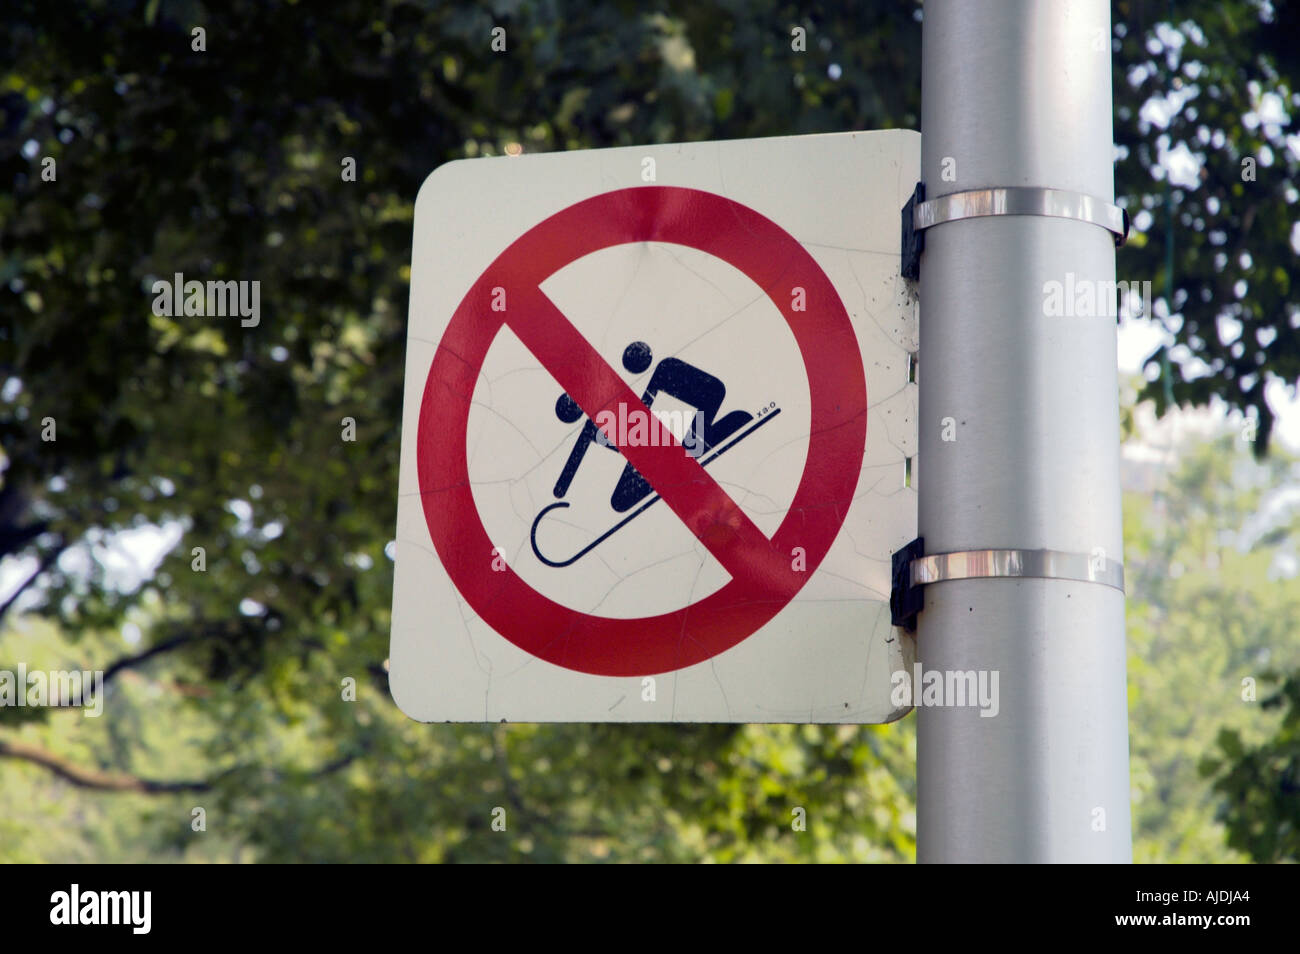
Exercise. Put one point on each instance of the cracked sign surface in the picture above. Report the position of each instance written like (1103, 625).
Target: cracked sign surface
(657, 413)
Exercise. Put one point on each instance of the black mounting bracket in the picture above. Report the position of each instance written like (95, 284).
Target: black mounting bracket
(906, 599)
(913, 238)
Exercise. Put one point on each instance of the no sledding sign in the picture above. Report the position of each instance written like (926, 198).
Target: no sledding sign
(658, 414)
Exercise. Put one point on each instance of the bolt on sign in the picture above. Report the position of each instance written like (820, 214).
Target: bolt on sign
(658, 416)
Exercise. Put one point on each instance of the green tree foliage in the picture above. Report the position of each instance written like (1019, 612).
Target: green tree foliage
(226, 164)
(1220, 80)
(429, 793)
(1210, 565)
(1262, 782)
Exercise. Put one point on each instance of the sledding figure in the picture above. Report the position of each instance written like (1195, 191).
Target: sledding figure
(673, 377)
(677, 379)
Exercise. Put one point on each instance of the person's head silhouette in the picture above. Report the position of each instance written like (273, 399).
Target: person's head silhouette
(567, 410)
(637, 357)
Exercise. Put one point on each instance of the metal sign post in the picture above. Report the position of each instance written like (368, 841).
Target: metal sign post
(1019, 449)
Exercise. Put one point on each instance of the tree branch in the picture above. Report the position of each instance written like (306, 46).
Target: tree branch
(41, 567)
(93, 779)
(122, 782)
(130, 662)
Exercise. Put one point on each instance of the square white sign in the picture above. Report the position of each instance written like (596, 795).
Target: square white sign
(658, 413)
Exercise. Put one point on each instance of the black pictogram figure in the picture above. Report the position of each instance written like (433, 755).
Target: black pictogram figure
(680, 380)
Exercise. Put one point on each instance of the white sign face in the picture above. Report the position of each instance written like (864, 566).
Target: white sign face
(657, 419)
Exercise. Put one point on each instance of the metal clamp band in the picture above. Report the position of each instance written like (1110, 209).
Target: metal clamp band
(1041, 564)
(913, 569)
(1022, 200)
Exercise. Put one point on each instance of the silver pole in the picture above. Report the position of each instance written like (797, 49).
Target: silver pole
(1017, 93)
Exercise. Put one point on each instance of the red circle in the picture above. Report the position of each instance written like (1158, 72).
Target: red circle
(777, 263)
